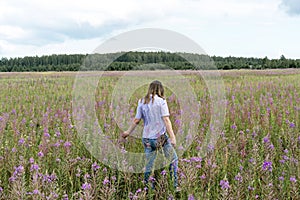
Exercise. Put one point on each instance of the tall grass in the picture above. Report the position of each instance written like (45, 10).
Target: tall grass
(256, 156)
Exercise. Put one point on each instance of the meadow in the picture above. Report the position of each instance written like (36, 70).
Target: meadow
(256, 155)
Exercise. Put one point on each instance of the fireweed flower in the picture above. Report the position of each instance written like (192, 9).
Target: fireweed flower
(152, 179)
(35, 192)
(210, 147)
(40, 154)
(19, 170)
(234, 127)
(267, 166)
(238, 178)
(191, 197)
(292, 125)
(21, 141)
(34, 167)
(31, 160)
(138, 191)
(106, 181)
(67, 144)
(271, 146)
(224, 184)
(65, 197)
(86, 186)
(293, 179)
(95, 167)
(203, 176)
(250, 188)
(285, 157)
(86, 176)
(266, 139)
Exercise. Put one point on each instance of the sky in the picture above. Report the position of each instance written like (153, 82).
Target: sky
(247, 28)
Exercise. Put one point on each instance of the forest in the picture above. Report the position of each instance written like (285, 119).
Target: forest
(140, 61)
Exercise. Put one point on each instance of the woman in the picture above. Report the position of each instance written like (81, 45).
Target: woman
(153, 109)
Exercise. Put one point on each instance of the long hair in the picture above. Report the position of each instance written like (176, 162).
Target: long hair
(155, 88)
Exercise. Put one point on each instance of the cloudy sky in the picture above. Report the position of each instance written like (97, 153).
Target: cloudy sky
(251, 28)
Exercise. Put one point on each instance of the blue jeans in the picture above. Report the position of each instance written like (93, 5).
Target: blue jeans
(151, 152)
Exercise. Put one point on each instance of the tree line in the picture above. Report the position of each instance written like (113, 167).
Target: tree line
(140, 61)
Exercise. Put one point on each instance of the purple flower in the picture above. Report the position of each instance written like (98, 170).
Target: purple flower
(271, 146)
(282, 161)
(138, 191)
(203, 176)
(199, 166)
(19, 170)
(250, 188)
(95, 167)
(267, 166)
(224, 184)
(293, 179)
(286, 151)
(57, 134)
(191, 197)
(21, 141)
(86, 186)
(238, 177)
(151, 178)
(34, 167)
(57, 144)
(35, 191)
(266, 139)
(292, 125)
(163, 172)
(49, 178)
(234, 127)
(210, 147)
(86, 176)
(40, 154)
(67, 144)
(196, 159)
(281, 178)
(31, 160)
(47, 135)
(251, 160)
(1, 189)
(65, 197)
(106, 181)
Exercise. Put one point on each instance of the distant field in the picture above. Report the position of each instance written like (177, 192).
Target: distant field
(256, 156)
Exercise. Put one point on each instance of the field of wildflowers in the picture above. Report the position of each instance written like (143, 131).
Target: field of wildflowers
(256, 156)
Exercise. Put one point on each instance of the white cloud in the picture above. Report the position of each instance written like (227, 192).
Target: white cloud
(224, 27)
(291, 6)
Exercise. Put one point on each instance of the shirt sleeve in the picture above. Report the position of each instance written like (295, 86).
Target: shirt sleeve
(138, 114)
(164, 109)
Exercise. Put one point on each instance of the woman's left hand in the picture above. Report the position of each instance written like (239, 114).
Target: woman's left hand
(125, 134)
(173, 141)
